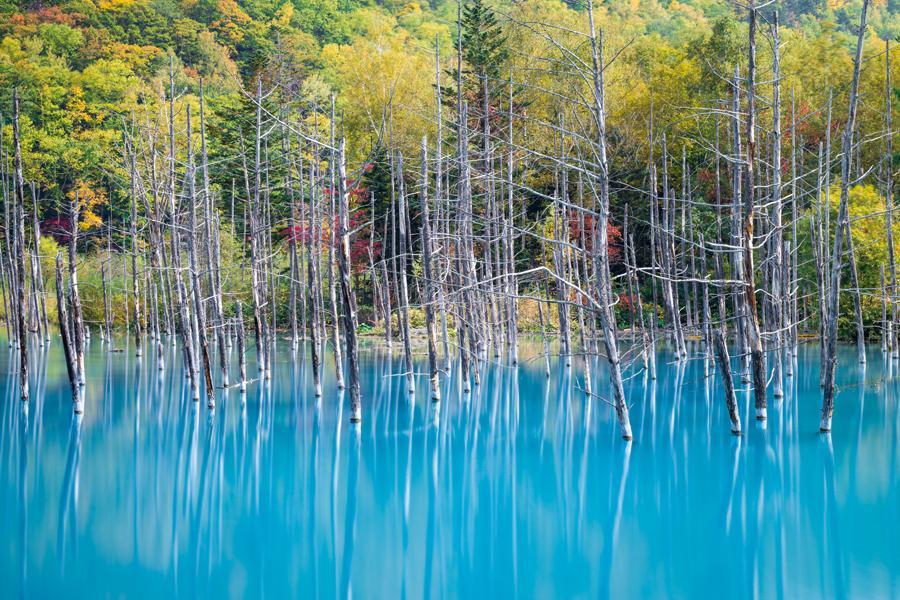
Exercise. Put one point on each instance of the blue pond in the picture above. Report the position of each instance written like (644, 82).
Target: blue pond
(523, 488)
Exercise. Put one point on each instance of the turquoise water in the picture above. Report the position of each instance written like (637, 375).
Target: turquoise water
(522, 489)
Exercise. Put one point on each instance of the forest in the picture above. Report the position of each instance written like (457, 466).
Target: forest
(472, 298)
(451, 176)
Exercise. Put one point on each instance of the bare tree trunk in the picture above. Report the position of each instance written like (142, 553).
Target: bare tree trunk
(842, 227)
(257, 282)
(439, 199)
(601, 264)
(332, 248)
(404, 292)
(724, 364)
(7, 302)
(65, 330)
(512, 290)
(776, 235)
(737, 262)
(794, 279)
(388, 326)
(312, 266)
(545, 341)
(242, 354)
(184, 324)
(215, 288)
(429, 300)
(292, 243)
(668, 259)
(754, 339)
(884, 318)
(38, 271)
(892, 324)
(106, 329)
(135, 289)
(649, 344)
(706, 314)
(199, 310)
(857, 297)
(75, 297)
(559, 230)
(350, 321)
(19, 188)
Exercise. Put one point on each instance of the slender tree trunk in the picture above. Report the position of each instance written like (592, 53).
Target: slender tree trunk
(65, 330)
(404, 292)
(754, 339)
(242, 354)
(892, 325)
(842, 227)
(19, 209)
(601, 252)
(75, 296)
(350, 321)
(195, 271)
(135, 288)
(776, 235)
(429, 300)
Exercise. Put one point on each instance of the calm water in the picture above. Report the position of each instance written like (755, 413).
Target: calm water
(523, 489)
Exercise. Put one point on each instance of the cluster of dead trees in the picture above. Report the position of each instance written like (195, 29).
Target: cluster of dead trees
(452, 239)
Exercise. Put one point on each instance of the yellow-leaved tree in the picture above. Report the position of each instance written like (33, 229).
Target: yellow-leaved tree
(89, 201)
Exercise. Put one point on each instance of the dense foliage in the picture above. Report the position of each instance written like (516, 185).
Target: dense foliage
(83, 68)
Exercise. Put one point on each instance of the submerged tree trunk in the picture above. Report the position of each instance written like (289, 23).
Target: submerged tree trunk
(601, 263)
(19, 209)
(428, 300)
(724, 365)
(754, 339)
(199, 310)
(892, 324)
(65, 331)
(404, 292)
(78, 332)
(843, 226)
(350, 320)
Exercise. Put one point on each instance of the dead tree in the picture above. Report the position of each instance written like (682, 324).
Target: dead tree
(332, 250)
(892, 324)
(313, 283)
(350, 320)
(843, 227)
(241, 346)
(19, 190)
(601, 251)
(429, 299)
(754, 338)
(135, 288)
(404, 291)
(199, 311)
(65, 330)
(78, 331)
(37, 270)
(213, 268)
(776, 234)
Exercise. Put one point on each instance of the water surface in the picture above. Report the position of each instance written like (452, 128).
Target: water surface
(523, 488)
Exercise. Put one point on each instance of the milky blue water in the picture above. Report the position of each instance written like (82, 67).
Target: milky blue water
(523, 488)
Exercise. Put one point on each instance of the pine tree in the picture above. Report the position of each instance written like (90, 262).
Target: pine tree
(483, 44)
